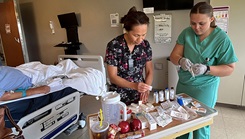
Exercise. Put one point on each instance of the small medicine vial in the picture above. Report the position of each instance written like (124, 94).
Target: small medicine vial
(166, 94)
(172, 94)
(161, 96)
(155, 96)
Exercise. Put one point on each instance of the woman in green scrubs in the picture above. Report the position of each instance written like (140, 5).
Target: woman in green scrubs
(205, 53)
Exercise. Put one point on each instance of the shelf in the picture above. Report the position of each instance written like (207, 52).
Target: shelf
(69, 46)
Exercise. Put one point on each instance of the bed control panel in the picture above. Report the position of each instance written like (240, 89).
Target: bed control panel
(46, 124)
(33, 120)
(64, 103)
(62, 114)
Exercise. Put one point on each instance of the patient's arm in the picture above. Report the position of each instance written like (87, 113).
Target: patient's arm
(32, 91)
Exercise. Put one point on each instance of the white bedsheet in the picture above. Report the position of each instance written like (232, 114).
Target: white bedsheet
(87, 80)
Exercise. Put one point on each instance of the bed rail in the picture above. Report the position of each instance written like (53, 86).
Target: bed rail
(51, 120)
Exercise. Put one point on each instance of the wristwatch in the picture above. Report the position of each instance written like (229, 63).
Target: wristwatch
(207, 71)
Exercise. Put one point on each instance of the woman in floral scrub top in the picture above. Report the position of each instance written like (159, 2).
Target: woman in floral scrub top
(127, 56)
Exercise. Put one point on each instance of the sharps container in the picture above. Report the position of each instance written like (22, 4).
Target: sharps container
(111, 106)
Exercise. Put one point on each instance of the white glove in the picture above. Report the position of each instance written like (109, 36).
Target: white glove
(185, 64)
(199, 69)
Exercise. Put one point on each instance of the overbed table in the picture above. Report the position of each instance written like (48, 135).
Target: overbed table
(177, 127)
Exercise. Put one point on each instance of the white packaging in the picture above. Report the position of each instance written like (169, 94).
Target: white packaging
(196, 104)
(135, 105)
(182, 110)
(202, 110)
(167, 119)
(150, 106)
(179, 115)
(143, 120)
(174, 105)
(157, 118)
(150, 88)
(165, 105)
(161, 120)
(160, 110)
(140, 102)
(187, 100)
(144, 108)
(134, 110)
(191, 112)
(151, 121)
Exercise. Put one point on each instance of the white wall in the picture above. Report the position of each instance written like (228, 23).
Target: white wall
(231, 87)
(95, 31)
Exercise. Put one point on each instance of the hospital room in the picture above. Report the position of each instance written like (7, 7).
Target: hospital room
(62, 48)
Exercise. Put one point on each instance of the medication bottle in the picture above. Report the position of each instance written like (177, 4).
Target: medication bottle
(172, 94)
(161, 96)
(155, 97)
(166, 94)
(180, 100)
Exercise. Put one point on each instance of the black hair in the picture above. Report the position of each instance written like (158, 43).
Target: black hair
(133, 18)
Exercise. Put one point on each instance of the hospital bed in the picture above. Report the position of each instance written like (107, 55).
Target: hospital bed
(51, 120)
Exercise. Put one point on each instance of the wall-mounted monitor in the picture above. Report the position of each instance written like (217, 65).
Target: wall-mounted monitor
(68, 20)
(168, 4)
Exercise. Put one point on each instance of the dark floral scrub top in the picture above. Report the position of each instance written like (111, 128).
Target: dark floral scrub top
(130, 66)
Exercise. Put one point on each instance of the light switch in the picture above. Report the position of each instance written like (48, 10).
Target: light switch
(51, 25)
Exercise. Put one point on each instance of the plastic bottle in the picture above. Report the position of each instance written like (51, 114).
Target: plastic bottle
(156, 97)
(172, 94)
(166, 94)
(161, 96)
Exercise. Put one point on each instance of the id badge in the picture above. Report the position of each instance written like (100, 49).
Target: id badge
(131, 64)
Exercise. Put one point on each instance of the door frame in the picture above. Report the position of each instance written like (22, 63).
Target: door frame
(21, 30)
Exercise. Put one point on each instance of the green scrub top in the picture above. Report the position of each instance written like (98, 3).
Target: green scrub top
(218, 48)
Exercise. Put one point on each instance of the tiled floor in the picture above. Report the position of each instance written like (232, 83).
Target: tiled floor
(228, 124)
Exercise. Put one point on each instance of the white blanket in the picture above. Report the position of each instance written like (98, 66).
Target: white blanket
(87, 80)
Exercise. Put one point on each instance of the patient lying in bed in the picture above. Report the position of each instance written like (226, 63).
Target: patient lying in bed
(14, 84)
(32, 83)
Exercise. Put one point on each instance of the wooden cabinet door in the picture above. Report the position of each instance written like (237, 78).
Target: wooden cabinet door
(11, 42)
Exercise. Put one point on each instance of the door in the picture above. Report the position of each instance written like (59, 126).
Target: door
(9, 32)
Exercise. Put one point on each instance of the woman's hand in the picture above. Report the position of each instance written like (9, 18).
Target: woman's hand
(144, 90)
(142, 87)
(144, 96)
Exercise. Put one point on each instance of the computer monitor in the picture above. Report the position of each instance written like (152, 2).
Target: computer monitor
(68, 20)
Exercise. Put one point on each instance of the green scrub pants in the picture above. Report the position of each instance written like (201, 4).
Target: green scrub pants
(207, 94)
